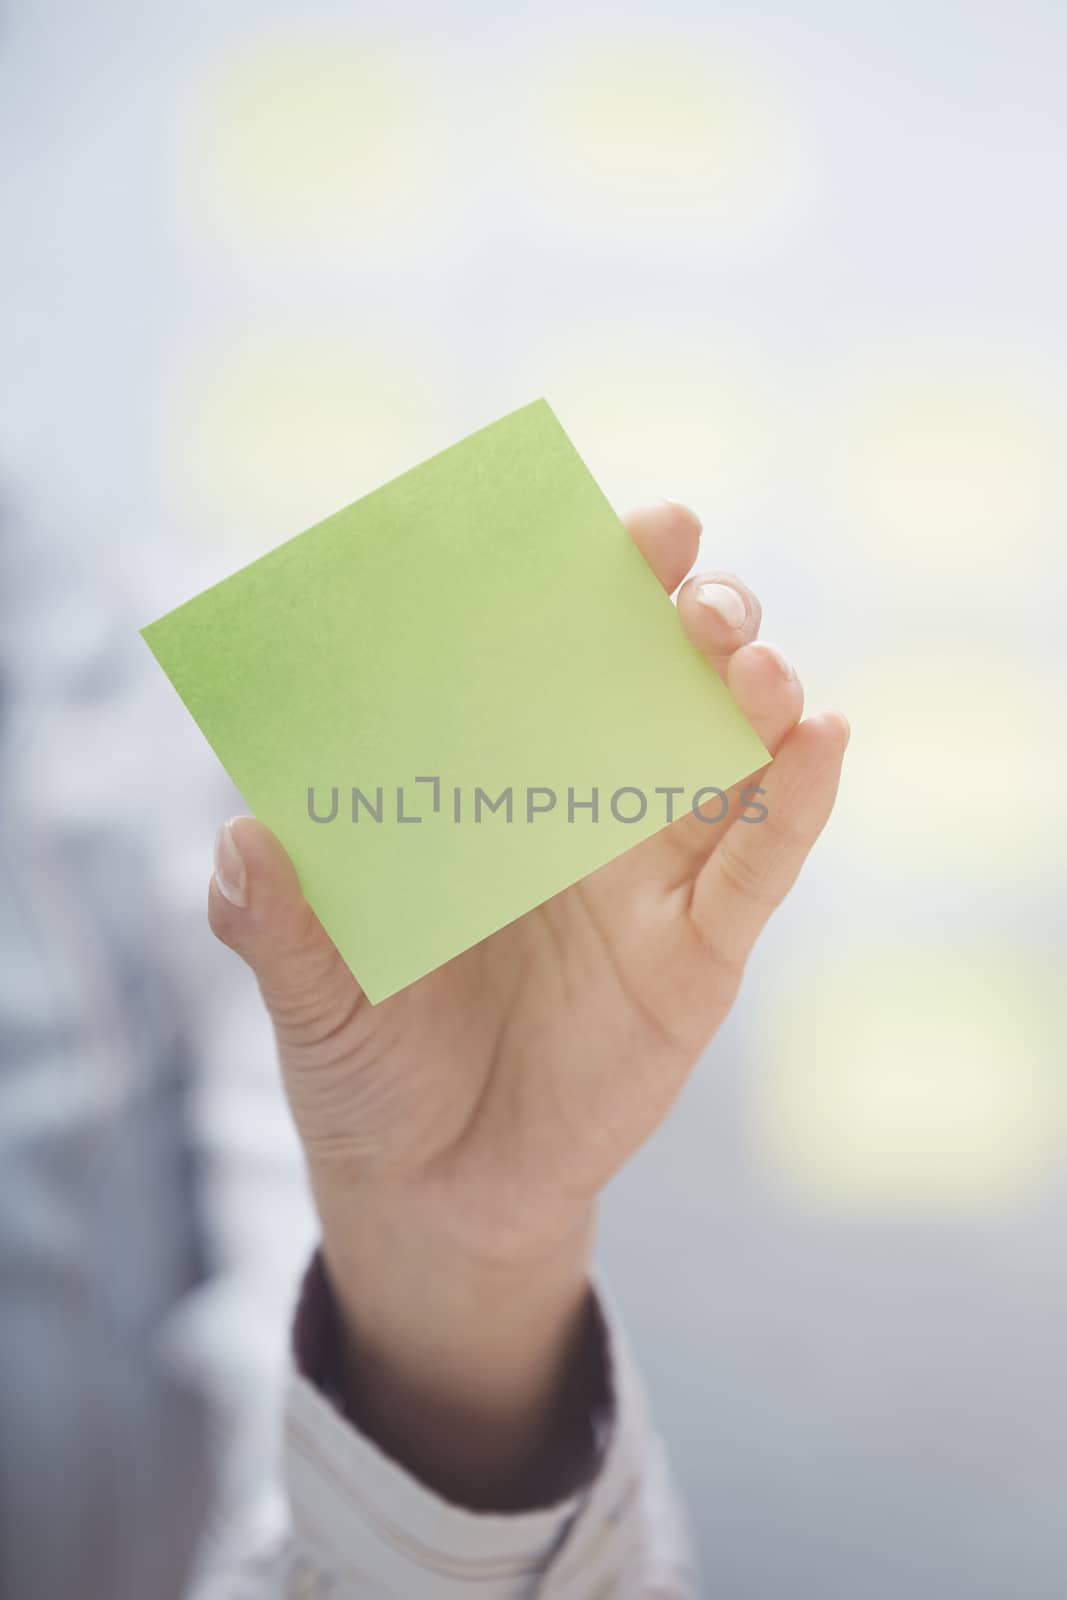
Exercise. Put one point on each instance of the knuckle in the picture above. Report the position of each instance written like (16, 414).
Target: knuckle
(745, 876)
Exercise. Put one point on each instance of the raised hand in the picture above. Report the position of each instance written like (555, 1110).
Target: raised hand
(457, 1134)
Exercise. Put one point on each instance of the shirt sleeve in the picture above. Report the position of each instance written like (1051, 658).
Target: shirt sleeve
(358, 1525)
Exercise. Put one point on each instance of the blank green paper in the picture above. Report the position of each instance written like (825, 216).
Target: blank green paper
(450, 699)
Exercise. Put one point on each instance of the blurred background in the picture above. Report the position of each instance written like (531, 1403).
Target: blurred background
(803, 269)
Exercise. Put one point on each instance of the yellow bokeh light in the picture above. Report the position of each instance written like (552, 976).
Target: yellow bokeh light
(949, 462)
(956, 771)
(665, 411)
(647, 131)
(268, 433)
(306, 146)
(920, 1077)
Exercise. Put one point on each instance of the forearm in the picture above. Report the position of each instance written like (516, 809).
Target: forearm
(479, 1377)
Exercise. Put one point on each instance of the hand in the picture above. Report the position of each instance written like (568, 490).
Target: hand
(457, 1134)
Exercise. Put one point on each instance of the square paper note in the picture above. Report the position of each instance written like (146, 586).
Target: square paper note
(455, 697)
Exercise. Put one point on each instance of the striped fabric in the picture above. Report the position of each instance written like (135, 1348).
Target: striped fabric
(357, 1525)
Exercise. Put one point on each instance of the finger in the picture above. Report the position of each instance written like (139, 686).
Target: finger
(719, 614)
(766, 687)
(668, 536)
(770, 694)
(757, 863)
(257, 908)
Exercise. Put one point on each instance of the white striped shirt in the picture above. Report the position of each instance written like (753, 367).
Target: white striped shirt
(356, 1524)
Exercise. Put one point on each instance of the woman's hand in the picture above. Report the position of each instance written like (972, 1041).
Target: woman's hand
(457, 1134)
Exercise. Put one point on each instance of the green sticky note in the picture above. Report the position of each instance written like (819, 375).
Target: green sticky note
(424, 694)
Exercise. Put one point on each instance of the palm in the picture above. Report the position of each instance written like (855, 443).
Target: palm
(509, 1059)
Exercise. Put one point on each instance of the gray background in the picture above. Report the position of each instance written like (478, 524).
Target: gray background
(830, 316)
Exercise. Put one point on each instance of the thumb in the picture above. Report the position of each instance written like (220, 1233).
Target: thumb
(257, 908)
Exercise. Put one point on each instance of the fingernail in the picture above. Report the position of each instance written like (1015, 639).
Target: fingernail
(230, 872)
(848, 727)
(727, 604)
(785, 667)
(680, 505)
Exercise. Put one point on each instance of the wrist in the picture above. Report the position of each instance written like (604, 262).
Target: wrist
(477, 1371)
